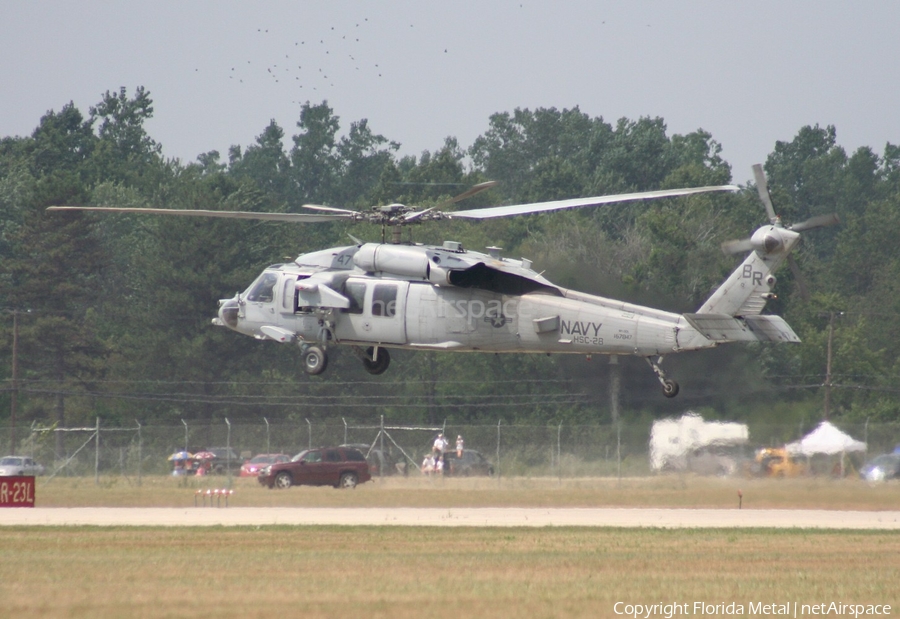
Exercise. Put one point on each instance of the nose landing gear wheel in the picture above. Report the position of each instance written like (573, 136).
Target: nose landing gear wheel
(314, 360)
(380, 364)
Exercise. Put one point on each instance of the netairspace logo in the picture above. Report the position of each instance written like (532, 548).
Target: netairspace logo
(768, 609)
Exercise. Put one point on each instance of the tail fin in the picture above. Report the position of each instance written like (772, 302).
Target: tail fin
(747, 289)
(733, 312)
(745, 292)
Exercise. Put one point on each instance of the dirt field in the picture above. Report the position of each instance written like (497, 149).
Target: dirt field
(455, 517)
(665, 502)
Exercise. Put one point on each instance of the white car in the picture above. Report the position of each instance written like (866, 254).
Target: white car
(19, 465)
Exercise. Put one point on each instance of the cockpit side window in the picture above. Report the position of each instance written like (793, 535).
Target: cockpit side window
(263, 291)
(356, 293)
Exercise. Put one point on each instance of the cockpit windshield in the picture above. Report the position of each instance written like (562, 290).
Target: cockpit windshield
(263, 289)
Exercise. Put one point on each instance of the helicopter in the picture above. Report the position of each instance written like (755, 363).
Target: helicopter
(374, 297)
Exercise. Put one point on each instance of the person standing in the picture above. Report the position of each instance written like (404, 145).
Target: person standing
(440, 445)
(460, 445)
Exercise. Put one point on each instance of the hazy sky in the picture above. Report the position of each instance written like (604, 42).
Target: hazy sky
(750, 73)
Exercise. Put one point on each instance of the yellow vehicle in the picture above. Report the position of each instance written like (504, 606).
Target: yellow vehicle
(777, 462)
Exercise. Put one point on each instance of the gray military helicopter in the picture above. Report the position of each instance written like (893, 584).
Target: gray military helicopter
(377, 296)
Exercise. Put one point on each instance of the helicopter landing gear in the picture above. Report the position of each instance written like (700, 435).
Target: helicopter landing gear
(669, 387)
(314, 360)
(376, 360)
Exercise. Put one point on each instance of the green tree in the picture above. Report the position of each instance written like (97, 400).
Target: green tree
(124, 151)
(266, 163)
(315, 159)
(364, 158)
(55, 273)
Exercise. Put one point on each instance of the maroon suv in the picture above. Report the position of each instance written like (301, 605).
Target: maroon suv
(341, 467)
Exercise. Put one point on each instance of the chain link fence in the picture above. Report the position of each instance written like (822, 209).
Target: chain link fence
(514, 450)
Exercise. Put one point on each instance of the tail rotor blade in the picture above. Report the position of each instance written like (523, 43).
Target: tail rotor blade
(737, 246)
(819, 221)
(763, 188)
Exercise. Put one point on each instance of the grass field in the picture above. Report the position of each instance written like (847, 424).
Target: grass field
(661, 491)
(401, 573)
(432, 572)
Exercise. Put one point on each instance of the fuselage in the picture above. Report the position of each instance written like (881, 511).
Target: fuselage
(444, 298)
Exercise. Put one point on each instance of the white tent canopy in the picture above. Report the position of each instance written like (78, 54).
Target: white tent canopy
(825, 439)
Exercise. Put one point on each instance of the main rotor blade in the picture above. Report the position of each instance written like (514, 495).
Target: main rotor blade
(469, 193)
(417, 214)
(819, 221)
(412, 216)
(762, 186)
(329, 209)
(557, 205)
(288, 217)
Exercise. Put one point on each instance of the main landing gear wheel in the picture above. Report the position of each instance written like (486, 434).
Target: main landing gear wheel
(670, 388)
(314, 360)
(380, 364)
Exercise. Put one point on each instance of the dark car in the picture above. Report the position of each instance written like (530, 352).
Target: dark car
(881, 468)
(471, 463)
(226, 460)
(341, 467)
(380, 462)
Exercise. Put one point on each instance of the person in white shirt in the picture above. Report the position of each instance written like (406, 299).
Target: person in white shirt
(440, 444)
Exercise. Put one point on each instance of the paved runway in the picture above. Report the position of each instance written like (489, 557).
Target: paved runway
(461, 517)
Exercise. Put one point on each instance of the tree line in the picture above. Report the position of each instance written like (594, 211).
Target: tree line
(112, 313)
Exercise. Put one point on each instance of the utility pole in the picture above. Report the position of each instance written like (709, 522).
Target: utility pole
(13, 401)
(614, 382)
(827, 410)
(14, 395)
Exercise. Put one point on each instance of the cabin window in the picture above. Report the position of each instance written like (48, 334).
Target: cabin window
(384, 300)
